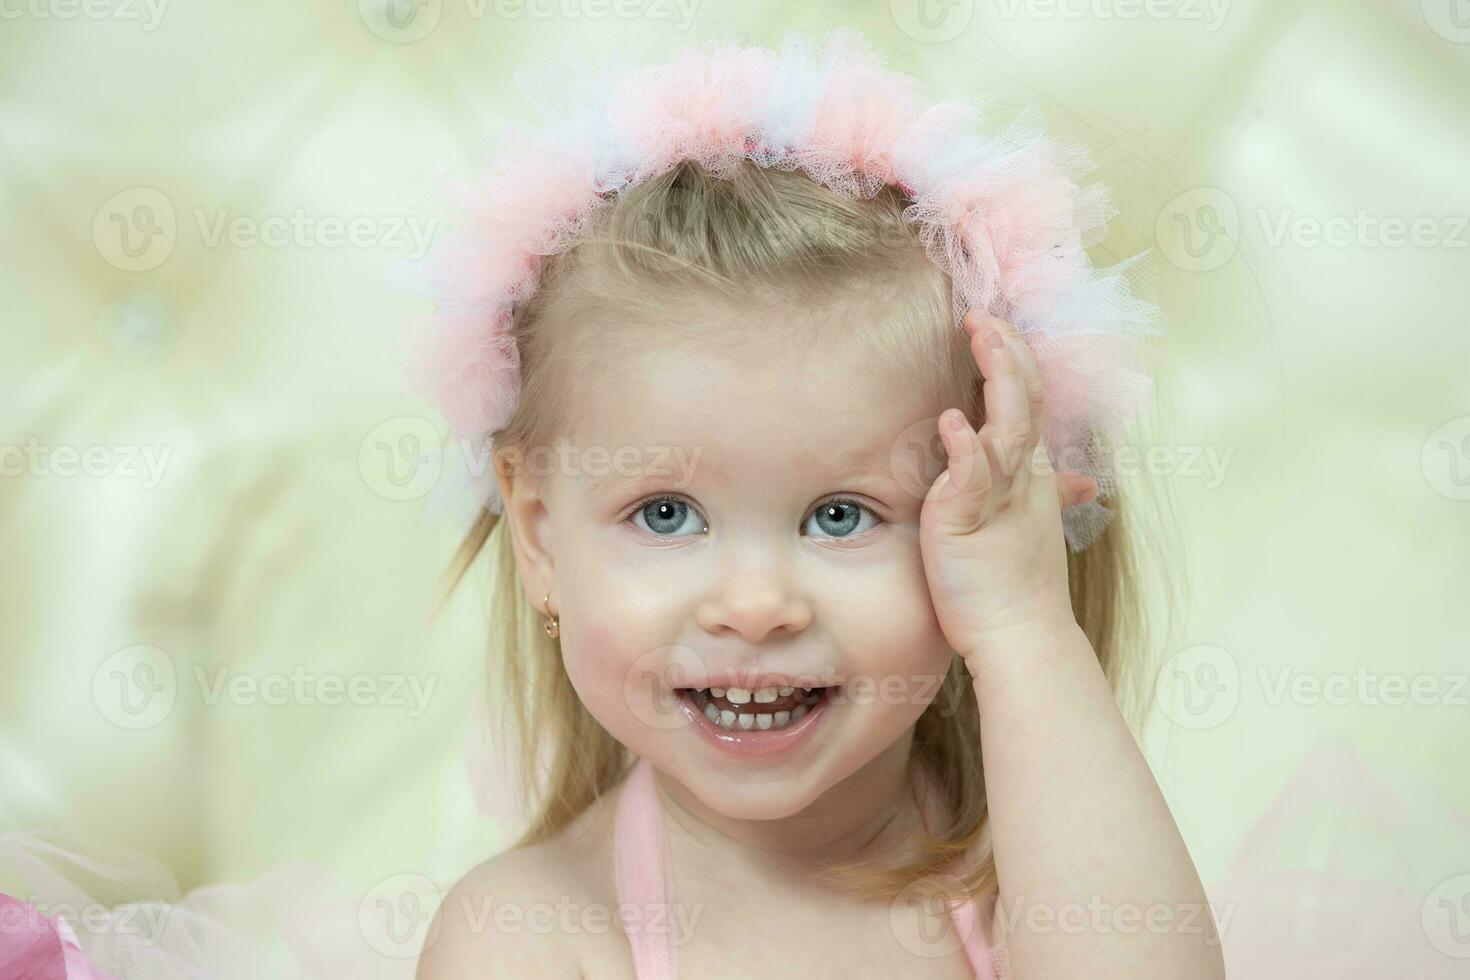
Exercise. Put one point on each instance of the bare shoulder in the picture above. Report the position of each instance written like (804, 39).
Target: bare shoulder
(502, 918)
(487, 926)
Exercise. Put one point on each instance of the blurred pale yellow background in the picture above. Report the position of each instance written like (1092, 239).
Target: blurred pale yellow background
(209, 443)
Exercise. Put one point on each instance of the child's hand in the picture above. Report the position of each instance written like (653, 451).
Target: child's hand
(990, 530)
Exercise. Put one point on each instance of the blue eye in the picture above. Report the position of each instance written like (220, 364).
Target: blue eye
(665, 516)
(669, 517)
(840, 517)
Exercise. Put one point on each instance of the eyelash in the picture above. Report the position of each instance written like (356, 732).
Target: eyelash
(845, 501)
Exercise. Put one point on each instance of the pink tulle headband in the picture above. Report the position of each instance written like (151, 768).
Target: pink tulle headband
(1002, 215)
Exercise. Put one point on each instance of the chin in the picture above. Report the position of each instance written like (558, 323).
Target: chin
(767, 796)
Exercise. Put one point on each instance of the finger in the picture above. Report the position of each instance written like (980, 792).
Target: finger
(1007, 425)
(961, 498)
(1074, 488)
(1030, 372)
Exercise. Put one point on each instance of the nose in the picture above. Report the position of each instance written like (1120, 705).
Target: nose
(754, 598)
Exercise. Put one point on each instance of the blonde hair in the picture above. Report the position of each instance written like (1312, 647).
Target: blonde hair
(767, 240)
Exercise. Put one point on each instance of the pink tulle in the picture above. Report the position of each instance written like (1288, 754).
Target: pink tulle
(1003, 214)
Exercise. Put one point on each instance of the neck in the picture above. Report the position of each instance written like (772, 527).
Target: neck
(872, 814)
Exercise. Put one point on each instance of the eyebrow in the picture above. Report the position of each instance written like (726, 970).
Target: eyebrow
(868, 464)
(619, 481)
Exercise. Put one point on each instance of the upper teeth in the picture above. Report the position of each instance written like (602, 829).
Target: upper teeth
(762, 695)
(746, 720)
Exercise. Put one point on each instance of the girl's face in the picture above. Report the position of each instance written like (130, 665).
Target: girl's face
(715, 513)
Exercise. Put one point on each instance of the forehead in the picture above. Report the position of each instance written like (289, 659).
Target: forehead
(754, 415)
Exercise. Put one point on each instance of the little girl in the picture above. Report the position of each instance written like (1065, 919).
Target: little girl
(806, 608)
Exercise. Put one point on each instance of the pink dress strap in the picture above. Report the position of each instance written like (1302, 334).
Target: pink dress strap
(643, 876)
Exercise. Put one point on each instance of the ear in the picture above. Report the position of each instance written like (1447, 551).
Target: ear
(529, 526)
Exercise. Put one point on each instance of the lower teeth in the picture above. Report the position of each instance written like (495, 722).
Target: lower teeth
(747, 721)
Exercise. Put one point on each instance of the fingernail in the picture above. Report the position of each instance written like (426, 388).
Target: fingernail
(995, 338)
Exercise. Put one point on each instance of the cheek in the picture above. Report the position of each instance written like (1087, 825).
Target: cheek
(890, 639)
(597, 651)
(611, 658)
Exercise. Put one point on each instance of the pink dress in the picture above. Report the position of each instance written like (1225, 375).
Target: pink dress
(644, 880)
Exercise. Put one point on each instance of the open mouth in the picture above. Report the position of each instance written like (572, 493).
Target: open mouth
(735, 709)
